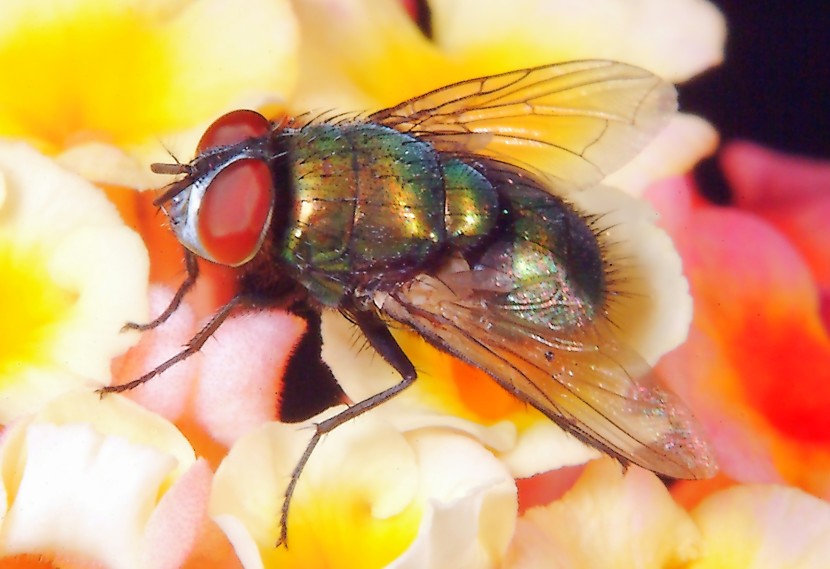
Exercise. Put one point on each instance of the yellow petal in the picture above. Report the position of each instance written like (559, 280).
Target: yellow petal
(128, 73)
(672, 38)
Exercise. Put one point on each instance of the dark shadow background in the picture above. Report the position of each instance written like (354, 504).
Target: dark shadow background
(774, 86)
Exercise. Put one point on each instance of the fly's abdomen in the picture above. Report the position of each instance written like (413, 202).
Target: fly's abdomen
(367, 200)
(549, 253)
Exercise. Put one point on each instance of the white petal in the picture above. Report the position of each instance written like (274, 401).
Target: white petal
(764, 527)
(81, 491)
(473, 505)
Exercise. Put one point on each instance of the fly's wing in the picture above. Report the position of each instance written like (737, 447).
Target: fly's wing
(576, 121)
(585, 381)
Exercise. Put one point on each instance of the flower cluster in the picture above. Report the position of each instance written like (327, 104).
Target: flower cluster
(190, 469)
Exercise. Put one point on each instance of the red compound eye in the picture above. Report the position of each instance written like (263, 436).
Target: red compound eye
(234, 212)
(232, 128)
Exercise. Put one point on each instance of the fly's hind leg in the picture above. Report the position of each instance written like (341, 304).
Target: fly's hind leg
(384, 344)
(192, 267)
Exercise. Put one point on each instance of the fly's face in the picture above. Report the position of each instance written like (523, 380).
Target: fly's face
(222, 208)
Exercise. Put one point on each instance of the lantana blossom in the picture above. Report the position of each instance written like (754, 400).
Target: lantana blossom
(615, 519)
(425, 498)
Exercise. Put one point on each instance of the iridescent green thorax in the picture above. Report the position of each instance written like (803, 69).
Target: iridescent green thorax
(368, 203)
(472, 206)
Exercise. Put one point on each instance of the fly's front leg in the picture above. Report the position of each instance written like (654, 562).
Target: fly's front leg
(192, 267)
(387, 347)
(193, 346)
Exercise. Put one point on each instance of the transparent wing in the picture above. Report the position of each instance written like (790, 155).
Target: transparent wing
(576, 122)
(585, 381)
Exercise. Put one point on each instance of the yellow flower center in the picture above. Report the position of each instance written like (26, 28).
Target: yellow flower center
(337, 529)
(80, 74)
(31, 306)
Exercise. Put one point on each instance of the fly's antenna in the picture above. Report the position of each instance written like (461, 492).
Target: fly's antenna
(174, 168)
(170, 169)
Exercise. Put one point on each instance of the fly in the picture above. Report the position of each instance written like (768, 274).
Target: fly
(430, 215)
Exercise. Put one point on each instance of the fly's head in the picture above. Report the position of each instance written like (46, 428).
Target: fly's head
(222, 208)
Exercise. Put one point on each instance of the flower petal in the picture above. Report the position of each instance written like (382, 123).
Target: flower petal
(430, 499)
(73, 275)
(131, 71)
(790, 192)
(673, 38)
(388, 59)
(241, 371)
(763, 527)
(607, 520)
(756, 330)
(85, 476)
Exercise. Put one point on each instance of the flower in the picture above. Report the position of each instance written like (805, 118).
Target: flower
(73, 274)
(755, 367)
(103, 82)
(91, 481)
(630, 520)
(607, 520)
(763, 527)
(431, 498)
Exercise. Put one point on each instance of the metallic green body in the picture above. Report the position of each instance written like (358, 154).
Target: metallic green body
(553, 256)
(372, 207)
(367, 200)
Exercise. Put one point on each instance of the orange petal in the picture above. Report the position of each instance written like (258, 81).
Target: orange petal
(756, 368)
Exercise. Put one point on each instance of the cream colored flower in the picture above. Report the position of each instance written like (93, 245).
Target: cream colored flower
(608, 519)
(763, 527)
(369, 497)
(629, 520)
(73, 274)
(101, 481)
